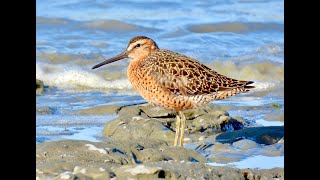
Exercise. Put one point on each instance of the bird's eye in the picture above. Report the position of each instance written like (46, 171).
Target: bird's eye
(138, 45)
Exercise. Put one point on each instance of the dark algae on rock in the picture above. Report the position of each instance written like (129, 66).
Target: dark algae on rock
(262, 135)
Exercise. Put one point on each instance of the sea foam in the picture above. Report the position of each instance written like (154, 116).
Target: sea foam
(80, 77)
(75, 77)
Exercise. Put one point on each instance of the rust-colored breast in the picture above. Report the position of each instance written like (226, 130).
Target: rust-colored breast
(152, 90)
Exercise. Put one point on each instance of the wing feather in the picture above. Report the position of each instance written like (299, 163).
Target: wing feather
(186, 76)
(180, 74)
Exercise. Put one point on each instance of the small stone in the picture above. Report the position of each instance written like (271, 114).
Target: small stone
(244, 144)
(201, 138)
(39, 87)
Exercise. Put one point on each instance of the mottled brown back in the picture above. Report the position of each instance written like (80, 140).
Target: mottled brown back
(185, 76)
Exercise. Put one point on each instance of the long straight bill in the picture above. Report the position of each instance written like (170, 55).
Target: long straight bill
(111, 60)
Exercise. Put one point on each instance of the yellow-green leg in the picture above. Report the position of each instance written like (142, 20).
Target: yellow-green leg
(177, 131)
(183, 126)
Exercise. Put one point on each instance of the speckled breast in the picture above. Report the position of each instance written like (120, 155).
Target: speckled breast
(153, 92)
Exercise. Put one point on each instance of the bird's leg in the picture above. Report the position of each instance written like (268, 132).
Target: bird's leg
(183, 126)
(177, 130)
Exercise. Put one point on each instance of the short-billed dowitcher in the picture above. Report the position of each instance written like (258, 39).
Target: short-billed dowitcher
(174, 81)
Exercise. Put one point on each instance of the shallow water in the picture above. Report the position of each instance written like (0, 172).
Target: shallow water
(259, 162)
(237, 38)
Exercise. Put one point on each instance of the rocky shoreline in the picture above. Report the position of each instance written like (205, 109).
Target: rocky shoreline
(139, 142)
(75, 159)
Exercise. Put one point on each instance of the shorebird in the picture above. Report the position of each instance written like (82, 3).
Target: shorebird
(174, 81)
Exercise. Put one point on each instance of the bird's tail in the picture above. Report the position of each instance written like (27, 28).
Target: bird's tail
(245, 87)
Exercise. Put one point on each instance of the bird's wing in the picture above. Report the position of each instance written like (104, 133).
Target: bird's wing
(186, 76)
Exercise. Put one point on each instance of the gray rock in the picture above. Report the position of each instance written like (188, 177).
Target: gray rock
(262, 135)
(99, 159)
(97, 110)
(244, 144)
(275, 173)
(46, 110)
(239, 150)
(156, 112)
(137, 127)
(60, 156)
(140, 172)
(39, 87)
(149, 122)
(187, 170)
(153, 150)
(146, 159)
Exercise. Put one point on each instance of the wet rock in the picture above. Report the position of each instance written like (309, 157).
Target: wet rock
(99, 159)
(245, 144)
(97, 110)
(46, 110)
(139, 172)
(39, 87)
(262, 135)
(133, 126)
(61, 156)
(275, 173)
(219, 147)
(230, 153)
(146, 159)
(281, 141)
(222, 158)
(187, 170)
(154, 150)
(225, 152)
(149, 122)
(210, 119)
(156, 112)
(273, 150)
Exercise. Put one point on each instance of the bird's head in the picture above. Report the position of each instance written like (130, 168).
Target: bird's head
(138, 47)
